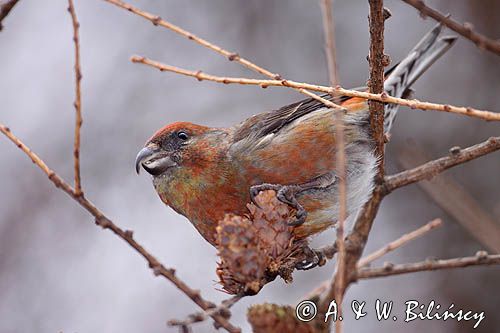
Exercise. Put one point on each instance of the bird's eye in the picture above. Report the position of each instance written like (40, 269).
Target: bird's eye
(182, 135)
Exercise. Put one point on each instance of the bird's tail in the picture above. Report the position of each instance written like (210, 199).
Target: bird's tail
(400, 78)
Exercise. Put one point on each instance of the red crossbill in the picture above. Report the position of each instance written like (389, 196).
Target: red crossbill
(204, 173)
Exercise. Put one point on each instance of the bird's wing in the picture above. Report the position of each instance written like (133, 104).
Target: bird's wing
(291, 145)
(266, 123)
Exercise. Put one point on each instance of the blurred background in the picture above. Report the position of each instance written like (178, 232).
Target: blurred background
(60, 273)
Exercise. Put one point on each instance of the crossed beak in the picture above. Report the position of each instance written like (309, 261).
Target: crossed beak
(154, 160)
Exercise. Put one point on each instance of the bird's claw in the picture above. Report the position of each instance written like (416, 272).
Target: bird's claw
(286, 194)
(253, 193)
(256, 189)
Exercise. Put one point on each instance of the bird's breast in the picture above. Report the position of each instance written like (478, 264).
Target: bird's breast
(204, 197)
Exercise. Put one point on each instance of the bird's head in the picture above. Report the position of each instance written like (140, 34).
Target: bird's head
(169, 148)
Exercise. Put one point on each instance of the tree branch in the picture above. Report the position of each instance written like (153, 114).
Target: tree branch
(78, 98)
(376, 81)
(126, 235)
(383, 97)
(480, 259)
(435, 167)
(466, 29)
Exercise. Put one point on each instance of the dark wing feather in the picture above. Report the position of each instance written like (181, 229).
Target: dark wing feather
(271, 122)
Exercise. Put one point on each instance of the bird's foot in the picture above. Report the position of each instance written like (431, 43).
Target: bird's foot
(285, 194)
(256, 189)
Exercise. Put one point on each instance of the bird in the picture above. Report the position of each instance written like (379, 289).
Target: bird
(204, 173)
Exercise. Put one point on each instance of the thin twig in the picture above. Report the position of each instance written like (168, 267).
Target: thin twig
(338, 281)
(383, 97)
(200, 76)
(126, 235)
(406, 238)
(481, 258)
(466, 29)
(222, 309)
(435, 167)
(78, 97)
(231, 56)
(322, 100)
(425, 106)
(5, 9)
(340, 170)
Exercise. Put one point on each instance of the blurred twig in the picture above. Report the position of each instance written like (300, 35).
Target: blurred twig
(481, 258)
(466, 29)
(78, 97)
(231, 56)
(5, 8)
(433, 168)
(330, 49)
(383, 97)
(125, 235)
(399, 242)
(356, 240)
(338, 281)
(455, 200)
